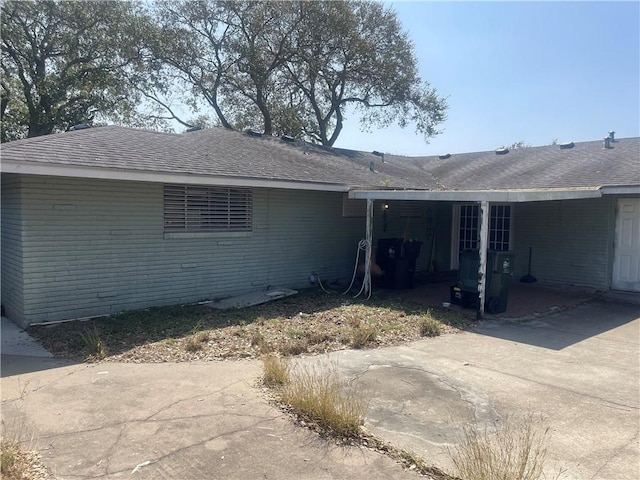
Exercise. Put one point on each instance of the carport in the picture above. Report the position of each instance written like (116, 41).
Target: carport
(484, 199)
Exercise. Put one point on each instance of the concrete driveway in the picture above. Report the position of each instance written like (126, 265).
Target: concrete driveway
(579, 369)
(185, 421)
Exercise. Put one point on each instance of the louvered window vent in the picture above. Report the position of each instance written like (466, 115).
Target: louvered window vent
(193, 208)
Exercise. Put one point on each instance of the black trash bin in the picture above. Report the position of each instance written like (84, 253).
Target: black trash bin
(397, 259)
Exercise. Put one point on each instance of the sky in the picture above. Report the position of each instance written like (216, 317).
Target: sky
(518, 71)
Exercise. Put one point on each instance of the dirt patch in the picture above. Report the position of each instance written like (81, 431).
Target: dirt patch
(311, 322)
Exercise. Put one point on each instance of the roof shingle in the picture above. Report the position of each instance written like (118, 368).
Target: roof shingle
(224, 153)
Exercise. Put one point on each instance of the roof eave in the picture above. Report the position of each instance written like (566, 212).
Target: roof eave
(621, 190)
(58, 170)
(506, 196)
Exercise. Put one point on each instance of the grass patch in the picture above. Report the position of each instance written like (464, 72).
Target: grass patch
(196, 341)
(17, 460)
(275, 371)
(95, 347)
(429, 326)
(13, 464)
(362, 337)
(320, 398)
(293, 348)
(516, 450)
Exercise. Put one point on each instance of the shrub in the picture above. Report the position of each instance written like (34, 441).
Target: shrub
(275, 371)
(429, 327)
(321, 399)
(516, 451)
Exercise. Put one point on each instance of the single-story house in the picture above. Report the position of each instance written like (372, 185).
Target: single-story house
(105, 219)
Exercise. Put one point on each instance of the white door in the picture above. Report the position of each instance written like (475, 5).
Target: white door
(626, 262)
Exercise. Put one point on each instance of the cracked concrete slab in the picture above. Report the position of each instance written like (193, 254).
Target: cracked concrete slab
(175, 421)
(578, 370)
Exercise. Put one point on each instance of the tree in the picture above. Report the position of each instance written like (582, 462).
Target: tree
(355, 53)
(294, 67)
(519, 145)
(66, 63)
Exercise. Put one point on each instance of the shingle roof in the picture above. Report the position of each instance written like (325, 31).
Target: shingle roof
(587, 164)
(214, 152)
(220, 152)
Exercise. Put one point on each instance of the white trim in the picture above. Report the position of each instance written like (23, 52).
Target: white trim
(57, 170)
(499, 196)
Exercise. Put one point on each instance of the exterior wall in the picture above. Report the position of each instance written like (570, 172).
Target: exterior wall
(572, 241)
(444, 220)
(11, 247)
(93, 247)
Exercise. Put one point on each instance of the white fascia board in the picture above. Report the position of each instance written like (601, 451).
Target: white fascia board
(59, 170)
(502, 196)
(621, 190)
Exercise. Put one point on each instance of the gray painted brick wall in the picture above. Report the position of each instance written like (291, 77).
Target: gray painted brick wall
(11, 246)
(93, 247)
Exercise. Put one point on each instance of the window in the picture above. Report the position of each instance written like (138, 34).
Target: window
(467, 229)
(193, 208)
(499, 227)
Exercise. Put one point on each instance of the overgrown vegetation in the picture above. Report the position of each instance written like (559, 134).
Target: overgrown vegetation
(94, 345)
(17, 461)
(318, 396)
(309, 323)
(12, 465)
(363, 337)
(514, 450)
(319, 401)
(429, 326)
(275, 371)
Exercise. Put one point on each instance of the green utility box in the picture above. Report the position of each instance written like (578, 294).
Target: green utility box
(499, 270)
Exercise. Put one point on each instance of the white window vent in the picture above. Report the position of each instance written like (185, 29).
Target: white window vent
(194, 208)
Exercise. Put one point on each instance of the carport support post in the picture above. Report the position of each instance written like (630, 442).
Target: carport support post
(482, 269)
(369, 239)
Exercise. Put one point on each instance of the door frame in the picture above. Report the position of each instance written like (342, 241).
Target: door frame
(617, 283)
